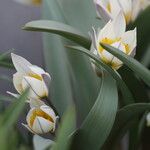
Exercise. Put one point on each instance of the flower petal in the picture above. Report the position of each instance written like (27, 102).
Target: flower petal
(36, 70)
(47, 79)
(115, 8)
(102, 11)
(20, 63)
(126, 6)
(49, 111)
(41, 125)
(119, 25)
(36, 103)
(38, 87)
(107, 31)
(130, 38)
(17, 81)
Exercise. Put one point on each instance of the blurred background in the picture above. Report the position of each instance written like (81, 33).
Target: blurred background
(29, 45)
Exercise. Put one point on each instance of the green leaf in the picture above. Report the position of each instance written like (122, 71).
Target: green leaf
(6, 64)
(6, 98)
(57, 63)
(97, 125)
(128, 98)
(59, 28)
(123, 118)
(70, 80)
(133, 64)
(66, 127)
(9, 118)
(11, 114)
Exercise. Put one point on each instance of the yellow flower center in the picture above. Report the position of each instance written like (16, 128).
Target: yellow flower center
(109, 7)
(110, 42)
(39, 113)
(36, 76)
(37, 2)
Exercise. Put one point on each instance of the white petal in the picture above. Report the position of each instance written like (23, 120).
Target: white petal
(94, 39)
(136, 9)
(36, 70)
(13, 94)
(29, 116)
(48, 111)
(36, 103)
(119, 25)
(126, 6)
(130, 38)
(115, 8)
(38, 87)
(17, 81)
(103, 12)
(47, 79)
(20, 63)
(41, 125)
(107, 31)
(107, 56)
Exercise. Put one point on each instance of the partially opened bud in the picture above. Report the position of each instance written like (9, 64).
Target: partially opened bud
(32, 76)
(29, 2)
(114, 35)
(41, 120)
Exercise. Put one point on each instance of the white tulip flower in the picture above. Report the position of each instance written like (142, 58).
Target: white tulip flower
(114, 35)
(41, 118)
(30, 2)
(109, 9)
(32, 76)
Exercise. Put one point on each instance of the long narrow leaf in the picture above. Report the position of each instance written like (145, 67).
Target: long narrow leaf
(66, 128)
(123, 118)
(128, 98)
(97, 126)
(60, 29)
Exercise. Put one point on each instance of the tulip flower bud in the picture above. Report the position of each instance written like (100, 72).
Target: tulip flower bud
(32, 76)
(114, 35)
(29, 2)
(41, 120)
(109, 9)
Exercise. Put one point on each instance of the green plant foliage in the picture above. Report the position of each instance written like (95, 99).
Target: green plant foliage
(9, 118)
(67, 126)
(60, 29)
(5, 60)
(125, 91)
(73, 77)
(124, 117)
(98, 123)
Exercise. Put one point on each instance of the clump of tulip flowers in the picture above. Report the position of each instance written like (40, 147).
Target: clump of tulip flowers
(41, 118)
(114, 34)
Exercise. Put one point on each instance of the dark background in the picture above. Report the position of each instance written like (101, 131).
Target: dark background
(27, 44)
